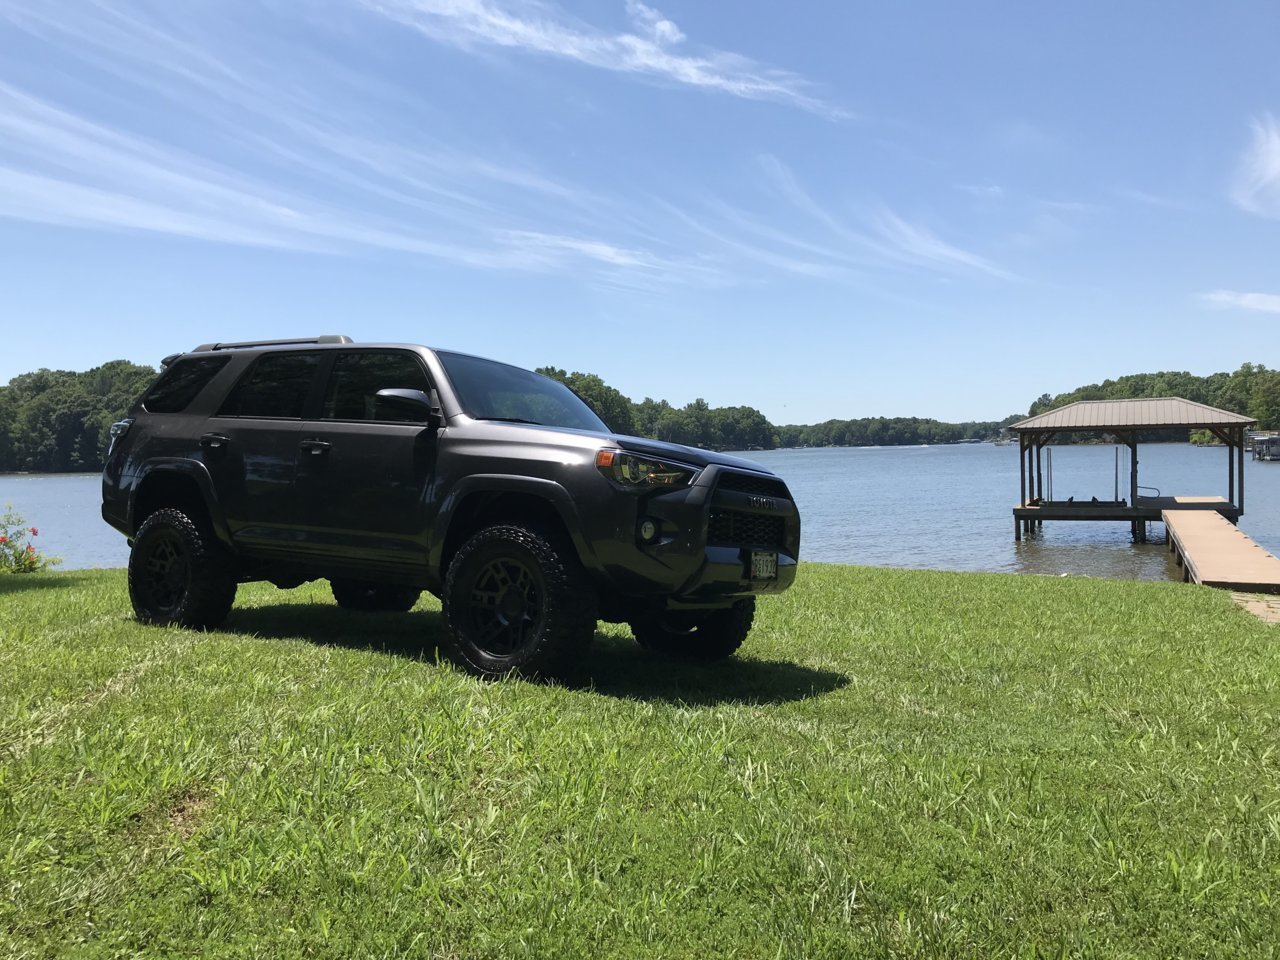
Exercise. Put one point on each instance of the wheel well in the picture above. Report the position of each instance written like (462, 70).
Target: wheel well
(481, 509)
(168, 489)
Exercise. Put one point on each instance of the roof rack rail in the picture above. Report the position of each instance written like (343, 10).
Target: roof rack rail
(327, 338)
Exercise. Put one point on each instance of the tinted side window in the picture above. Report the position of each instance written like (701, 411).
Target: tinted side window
(179, 385)
(275, 386)
(356, 379)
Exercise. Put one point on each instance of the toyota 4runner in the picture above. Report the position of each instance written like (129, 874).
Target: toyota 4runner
(390, 469)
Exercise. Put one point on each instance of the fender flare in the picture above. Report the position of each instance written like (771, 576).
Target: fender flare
(192, 470)
(547, 490)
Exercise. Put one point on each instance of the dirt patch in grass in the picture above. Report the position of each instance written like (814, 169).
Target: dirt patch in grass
(185, 816)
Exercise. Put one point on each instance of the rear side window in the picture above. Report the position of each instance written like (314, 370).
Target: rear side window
(352, 392)
(276, 386)
(178, 385)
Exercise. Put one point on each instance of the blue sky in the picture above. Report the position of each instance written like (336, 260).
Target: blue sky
(817, 209)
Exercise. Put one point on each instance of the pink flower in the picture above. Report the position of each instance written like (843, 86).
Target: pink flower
(4, 539)
(31, 548)
(35, 532)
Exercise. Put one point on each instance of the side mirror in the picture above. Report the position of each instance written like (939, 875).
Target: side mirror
(415, 405)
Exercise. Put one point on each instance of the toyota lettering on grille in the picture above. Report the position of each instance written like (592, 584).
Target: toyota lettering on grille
(763, 503)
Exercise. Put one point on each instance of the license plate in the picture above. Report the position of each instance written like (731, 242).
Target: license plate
(764, 566)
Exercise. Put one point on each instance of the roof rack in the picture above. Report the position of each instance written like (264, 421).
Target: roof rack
(327, 338)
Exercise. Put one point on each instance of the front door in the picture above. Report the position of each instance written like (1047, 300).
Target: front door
(364, 470)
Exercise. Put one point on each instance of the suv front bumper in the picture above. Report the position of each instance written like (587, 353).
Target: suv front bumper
(709, 532)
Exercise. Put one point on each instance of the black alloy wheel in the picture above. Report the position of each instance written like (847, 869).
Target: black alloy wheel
(517, 601)
(166, 572)
(178, 573)
(506, 608)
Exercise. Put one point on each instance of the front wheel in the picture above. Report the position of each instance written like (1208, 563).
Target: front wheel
(178, 573)
(517, 601)
(367, 596)
(701, 635)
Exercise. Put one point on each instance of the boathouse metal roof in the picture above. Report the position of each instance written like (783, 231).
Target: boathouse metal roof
(1109, 415)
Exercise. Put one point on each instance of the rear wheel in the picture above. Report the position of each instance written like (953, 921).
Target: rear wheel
(517, 601)
(368, 596)
(179, 573)
(698, 635)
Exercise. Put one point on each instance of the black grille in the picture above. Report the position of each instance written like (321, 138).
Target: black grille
(730, 528)
(749, 483)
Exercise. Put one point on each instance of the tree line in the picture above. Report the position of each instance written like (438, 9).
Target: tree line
(1253, 390)
(57, 421)
(744, 428)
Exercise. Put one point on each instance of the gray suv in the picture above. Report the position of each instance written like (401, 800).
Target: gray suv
(389, 469)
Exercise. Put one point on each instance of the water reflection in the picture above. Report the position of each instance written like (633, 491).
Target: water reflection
(1058, 552)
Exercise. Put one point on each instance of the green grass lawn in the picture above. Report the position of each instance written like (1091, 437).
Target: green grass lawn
(898, 764)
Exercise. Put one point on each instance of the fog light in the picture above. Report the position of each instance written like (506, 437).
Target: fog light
(648, 530)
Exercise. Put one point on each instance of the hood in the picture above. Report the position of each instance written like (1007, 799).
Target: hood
(587, 439)
(693, 456)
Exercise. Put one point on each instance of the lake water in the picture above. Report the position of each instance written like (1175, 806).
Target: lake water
(940, 508)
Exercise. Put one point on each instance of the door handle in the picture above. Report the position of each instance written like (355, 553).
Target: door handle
(214, 441)
(315, 447)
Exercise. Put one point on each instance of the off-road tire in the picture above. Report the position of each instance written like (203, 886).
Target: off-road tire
(365, 595)
(179, 573)
(709, 635)
(516, 600)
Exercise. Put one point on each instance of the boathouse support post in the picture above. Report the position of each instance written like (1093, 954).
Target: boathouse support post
(1022, 471)
(1139, 525)
(1022, 487)
(1231, 465)
(1039, 471)
(1038, 523)
(1132, 444)
(1240, 472)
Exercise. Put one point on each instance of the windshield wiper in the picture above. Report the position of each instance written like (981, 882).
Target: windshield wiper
(512, 420)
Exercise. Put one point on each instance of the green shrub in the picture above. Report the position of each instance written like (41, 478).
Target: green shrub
(17, 553)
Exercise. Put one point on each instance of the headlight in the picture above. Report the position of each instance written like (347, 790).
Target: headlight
(639, 473)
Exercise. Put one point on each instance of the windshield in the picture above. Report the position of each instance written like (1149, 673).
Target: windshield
(496, 391)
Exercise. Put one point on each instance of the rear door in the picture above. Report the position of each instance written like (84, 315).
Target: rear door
(365, 470)
(250, 448)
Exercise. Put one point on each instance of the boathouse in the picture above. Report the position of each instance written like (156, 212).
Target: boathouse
(1126, 420)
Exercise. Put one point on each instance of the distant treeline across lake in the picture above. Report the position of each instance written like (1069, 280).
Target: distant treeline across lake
(57, 421)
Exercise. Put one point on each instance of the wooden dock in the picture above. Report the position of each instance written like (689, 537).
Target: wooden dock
(1213, 551)
(1146, 508)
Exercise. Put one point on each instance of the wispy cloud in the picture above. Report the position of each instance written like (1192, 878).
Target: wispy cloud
(1231, 299)
(883, 238)
(201, 129)
(1150, 199)
(96, 177)
(1257, 184)
(285, 162)
(983, 191)
(918, 243)
(653, 47)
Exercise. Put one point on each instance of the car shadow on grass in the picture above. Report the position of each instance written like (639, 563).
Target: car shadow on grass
(15, 582)
(415, 636)
(615, 666)
(620, 668)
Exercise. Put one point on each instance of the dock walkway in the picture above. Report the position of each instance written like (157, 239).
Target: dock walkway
(1213, 551)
